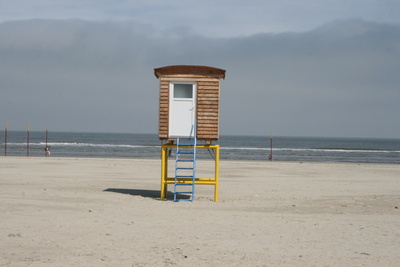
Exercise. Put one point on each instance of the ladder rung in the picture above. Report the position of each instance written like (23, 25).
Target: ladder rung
(185, 152)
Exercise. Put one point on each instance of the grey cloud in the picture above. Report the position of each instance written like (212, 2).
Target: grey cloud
(341, 79)
(209, 18)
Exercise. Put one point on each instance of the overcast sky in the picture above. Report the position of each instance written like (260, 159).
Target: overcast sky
(293, 68)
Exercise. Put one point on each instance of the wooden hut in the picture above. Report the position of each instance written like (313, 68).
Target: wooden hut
(189, 94)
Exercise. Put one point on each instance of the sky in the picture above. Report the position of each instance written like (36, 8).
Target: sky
(293, 68)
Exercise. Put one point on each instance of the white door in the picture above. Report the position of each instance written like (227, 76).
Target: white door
(182, 109)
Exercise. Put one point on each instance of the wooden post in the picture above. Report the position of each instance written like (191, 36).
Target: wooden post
(5, 137)
(47, 149)
(47, 133)
(270, 144)
(27, 141)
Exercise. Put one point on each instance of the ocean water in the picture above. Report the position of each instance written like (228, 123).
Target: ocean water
(114, 145)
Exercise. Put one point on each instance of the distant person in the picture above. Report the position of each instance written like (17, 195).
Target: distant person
(47, 150)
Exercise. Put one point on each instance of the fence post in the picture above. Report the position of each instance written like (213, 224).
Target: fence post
(27, 141)
(5, 137)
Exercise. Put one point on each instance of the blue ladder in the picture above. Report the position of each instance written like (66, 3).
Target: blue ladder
(185, 169)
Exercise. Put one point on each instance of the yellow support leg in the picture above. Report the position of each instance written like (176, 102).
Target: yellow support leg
(216, 173)
(164, 171)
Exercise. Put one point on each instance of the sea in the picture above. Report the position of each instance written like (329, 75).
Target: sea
(260, 148)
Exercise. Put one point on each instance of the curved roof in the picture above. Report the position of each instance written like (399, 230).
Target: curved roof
(189, 69)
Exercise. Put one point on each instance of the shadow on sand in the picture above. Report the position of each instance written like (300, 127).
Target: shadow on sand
(154, 194)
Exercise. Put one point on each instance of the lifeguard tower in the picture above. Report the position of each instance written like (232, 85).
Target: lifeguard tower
(188, 120)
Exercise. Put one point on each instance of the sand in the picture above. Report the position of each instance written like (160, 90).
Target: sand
(107, 212)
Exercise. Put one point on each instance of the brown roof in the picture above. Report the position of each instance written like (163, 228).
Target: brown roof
(190, 69)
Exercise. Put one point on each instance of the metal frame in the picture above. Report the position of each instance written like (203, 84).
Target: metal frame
(165, 180)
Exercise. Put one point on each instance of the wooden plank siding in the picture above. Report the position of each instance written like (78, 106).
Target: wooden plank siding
(208, 108)
(163, 110)
(207, 98)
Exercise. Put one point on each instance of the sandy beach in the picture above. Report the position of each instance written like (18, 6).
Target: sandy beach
(107, 212)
